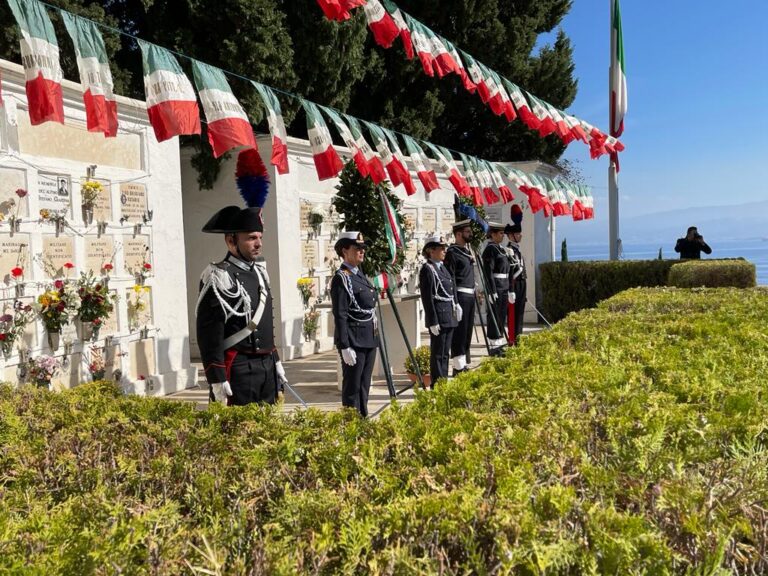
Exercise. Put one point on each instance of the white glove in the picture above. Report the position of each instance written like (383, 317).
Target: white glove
(511, 297)
(221, 390)
(492, 297)
(281, 377)
(435, 329)
(349, 356)
(458, 311)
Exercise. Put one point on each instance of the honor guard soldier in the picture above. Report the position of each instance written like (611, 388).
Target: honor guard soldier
(496, 271)
(353, 299)
(442, 312)
(461, 265)
(517, 274)
(234, 315)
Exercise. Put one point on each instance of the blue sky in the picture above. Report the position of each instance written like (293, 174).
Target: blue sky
(697, 127)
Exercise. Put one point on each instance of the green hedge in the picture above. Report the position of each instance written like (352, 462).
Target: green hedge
(713, 274)
(630, 439)
(571, 286)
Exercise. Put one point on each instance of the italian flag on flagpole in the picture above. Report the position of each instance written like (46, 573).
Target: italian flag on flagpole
(349, 140)
(276, 127)
(375, 167)
(618, 73)
(228, 125)
(451, 171)
(392, 228)
(327, 161)
(171, 101)
(422, 163)
(381, 23)
(95, 75)
(40, 57)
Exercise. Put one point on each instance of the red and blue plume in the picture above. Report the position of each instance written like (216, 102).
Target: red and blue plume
(252, 178)
(516, 213)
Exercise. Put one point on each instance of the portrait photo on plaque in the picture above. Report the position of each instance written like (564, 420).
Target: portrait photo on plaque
(54, 192)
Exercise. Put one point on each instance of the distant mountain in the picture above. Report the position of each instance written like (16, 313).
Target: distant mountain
(715, 223)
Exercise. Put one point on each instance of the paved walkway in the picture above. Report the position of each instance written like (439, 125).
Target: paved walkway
(314, 379)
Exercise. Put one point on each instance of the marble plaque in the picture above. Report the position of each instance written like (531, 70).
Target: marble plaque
(306, 208)
(447, 219)
(330, 255)
(139, 307)
(112, 360)
(309, 254)
(56, 253)
(14, 252)
(98, 251)
(54, 192)
(102, 208)
(136, 252)
(110, 326)
(29, 336)
(428, 220)
(141, 358)
(495, 213)
(133, 201)
(410, 217)
(70, 376)
(412, 251)
(10, 204)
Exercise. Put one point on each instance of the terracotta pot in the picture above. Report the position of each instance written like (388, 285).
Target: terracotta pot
(427, 378)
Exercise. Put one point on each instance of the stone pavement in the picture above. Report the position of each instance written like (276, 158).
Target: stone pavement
(314, 379)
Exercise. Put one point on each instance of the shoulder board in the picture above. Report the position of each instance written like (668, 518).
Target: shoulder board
(217, 273)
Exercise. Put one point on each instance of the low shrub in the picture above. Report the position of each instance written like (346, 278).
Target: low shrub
(713, 274)
(421, 353)
(630, 439)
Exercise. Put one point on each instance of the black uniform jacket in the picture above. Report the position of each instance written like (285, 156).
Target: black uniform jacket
(212, 329)
(691, 248)
(353, 329)
(461, 265)
(496, 262)
(437, 311)
(517, 264)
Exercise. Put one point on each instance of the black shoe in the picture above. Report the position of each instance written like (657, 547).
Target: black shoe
(498, 351)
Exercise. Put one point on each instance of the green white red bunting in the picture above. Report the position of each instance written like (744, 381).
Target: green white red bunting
(349, 139)
(474, 183)
(375, 167)
(228, 124)
(327, 161)
(382, 25)
(398, 174)
(276, 127)
(422, 163)
(392, 228)
(95, 75)
(405, 175)
(40, 58)
(171, 101)
(618, 73)
(402, 26)
(449, 168)
(498, 181)
(339, 9)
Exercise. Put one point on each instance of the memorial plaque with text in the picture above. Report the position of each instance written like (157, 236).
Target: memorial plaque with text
(102, 209)
(412, 251)
(14, 253)
(98, 251)
(494, 213)
(330, 255)
(133, 201)
(447, 218)
(110, 325)
(309, 254)
(428, 220)
(409, 218)
(136, 252)
(139, 307)
(54, 192)
(56, 253)
(306, 208)
(10, 203)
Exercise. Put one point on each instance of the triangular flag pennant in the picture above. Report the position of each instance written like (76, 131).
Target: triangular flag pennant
(171, 101)
(276, 127)
(349, 140)
(375, 167)
(449, 168)
(228, 125)
(404, 174)
(327, 161)
(402, 26)
(422, 163)
(40, 57)
(95, 75)
(381, 23)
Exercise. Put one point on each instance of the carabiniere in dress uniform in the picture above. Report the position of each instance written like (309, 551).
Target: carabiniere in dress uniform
(496, 271)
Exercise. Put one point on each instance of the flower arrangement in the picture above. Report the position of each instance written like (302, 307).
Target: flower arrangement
(12, 326)
(96, 303)
(107, 268)
(58, 306)
(42, 370)
(143, 270)
(89, 192)
(315, 219)
(57, 217)
(306, 286)
(137, 305)
(13, 220)
(310, 324)
(97, 366)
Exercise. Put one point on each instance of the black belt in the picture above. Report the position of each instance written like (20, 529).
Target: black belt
(257, 353)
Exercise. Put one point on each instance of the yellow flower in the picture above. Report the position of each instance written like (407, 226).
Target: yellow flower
(45, 214)
(137, 288)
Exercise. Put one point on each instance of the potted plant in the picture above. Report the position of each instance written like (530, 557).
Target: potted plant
(42, 370)
(57, 307)
(97, 367)
(421, 354)
(96, 304)
(89, 192)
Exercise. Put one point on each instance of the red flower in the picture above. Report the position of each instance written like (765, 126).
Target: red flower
(17, 272)
(107, 266)
(20, 192)
(147, 266)
(3, 336)
(59, 284)
(69, 265)
(61, 306)
(97, 322)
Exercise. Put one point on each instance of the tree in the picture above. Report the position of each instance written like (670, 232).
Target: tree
(564, 251)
